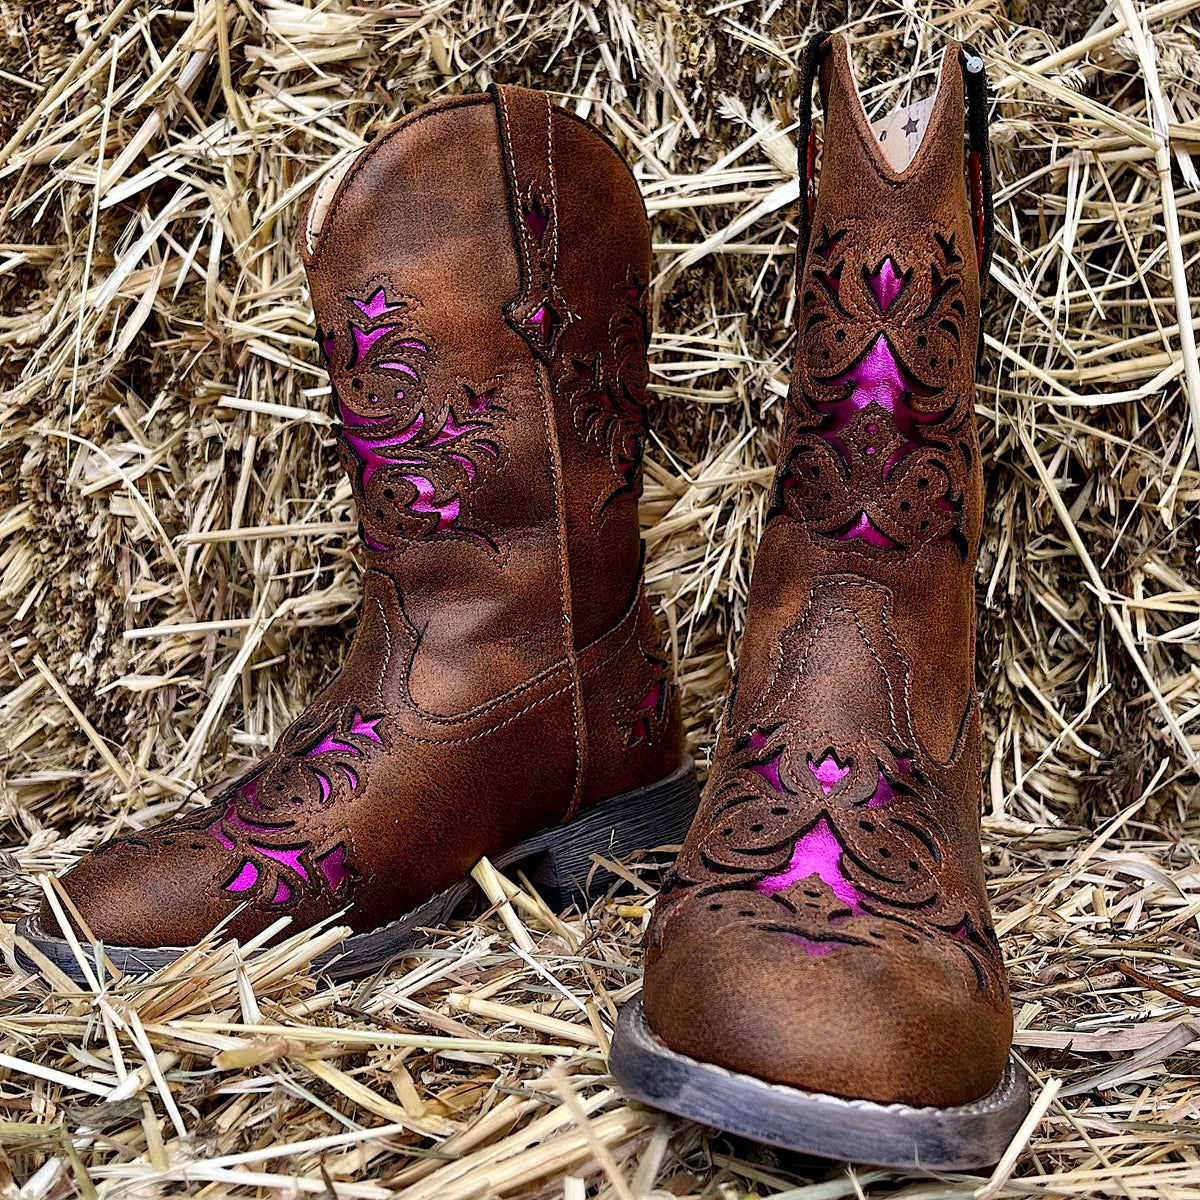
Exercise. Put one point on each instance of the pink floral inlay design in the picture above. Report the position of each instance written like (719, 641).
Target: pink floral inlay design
(886, 283)
(866, 530)
(364, 340)
(332, 866)
(648, 711)
(883, 795)
(245, 879)
(446, 512)
(289, 857)
(232, 818)
(335, 869)
(817, 853)
(769, 771)
(367, 449)
(383, 344)
(536, 218)
(877, 378)
(366, 728)
(376, 305)
(331, 745)
(828, 772)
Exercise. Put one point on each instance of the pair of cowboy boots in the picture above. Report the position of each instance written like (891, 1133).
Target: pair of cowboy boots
(821, 968)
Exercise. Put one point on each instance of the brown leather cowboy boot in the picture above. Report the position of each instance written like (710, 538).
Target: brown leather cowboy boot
(479, 278)
(823, 974)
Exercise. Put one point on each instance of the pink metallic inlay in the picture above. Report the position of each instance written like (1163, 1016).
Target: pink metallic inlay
(329, 744)
(349, 417)
(365, 728)
(811, 948)
(328, 345)
(250, 792)
(376, 305)
(350, 775)
(368, 451)
(481, 403)
(878, 378)
(757, 740)
(451, 429)
(818, 853)
(231, 817)
(245, 879)
(537, 222)
(887, 283)
(289, 858)
(326, 786)
(333, 867)
(769, 771)
(447, 512)
(541, 318)
(364, 340)
(468, 467)
(283, 893)
(400, 366)
(828, 772)
(883, 794)
(865, 529)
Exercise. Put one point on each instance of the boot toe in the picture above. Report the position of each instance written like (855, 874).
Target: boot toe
(130, 895)
(860, 1021)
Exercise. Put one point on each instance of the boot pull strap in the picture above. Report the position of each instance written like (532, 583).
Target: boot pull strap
(538, 312)
(982, 212)
(807, 141)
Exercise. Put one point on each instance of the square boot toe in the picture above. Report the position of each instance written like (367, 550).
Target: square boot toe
(864, 1022)
(162, 892)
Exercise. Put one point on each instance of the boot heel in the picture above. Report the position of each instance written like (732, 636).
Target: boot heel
(656, 815)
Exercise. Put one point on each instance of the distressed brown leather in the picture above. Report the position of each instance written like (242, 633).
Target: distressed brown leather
(479, 281)
(829, 928)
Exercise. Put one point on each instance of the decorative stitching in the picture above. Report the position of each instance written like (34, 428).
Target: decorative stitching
(834, 838)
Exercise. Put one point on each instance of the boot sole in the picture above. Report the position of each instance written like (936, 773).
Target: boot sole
(885, 1135)
(558, 858)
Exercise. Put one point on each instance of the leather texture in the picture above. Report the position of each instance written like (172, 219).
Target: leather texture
(828, 926)
(479, 281)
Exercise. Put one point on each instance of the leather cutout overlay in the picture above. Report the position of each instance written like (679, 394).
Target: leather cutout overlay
(607, 393)
(411, 459)
(880, 438)
(646, 718)
(259, 822)
(831, 833)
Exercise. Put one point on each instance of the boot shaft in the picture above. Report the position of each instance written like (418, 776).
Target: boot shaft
(879, 476)
(479, 280)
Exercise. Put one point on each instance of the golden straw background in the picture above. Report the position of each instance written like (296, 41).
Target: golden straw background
(179, 573)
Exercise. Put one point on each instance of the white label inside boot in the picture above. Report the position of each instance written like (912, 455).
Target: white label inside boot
(899, 133)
